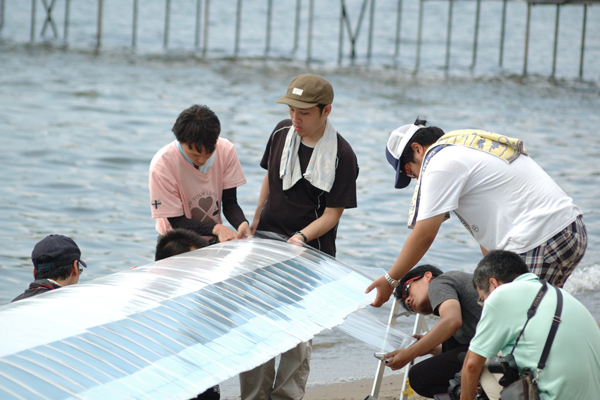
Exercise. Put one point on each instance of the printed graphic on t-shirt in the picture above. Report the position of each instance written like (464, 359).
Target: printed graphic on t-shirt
(155, 203)
(205, 207)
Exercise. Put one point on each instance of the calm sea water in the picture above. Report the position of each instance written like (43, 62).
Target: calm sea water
(78, 128)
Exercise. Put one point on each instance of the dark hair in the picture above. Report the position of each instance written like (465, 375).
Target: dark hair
(413, 273)
(62, 272)
(178, 241)
(321, 108)
(503, 265)
(198, 126)
(424, 136)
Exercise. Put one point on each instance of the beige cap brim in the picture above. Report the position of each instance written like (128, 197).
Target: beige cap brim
(295, 103)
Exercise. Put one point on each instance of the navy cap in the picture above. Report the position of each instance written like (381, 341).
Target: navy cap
(62, 249)
(398, 140)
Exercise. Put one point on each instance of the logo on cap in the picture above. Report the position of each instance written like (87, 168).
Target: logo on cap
(297, 91)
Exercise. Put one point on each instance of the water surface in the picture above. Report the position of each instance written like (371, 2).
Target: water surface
(79, 127)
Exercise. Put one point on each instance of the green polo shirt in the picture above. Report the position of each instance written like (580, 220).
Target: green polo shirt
(573, 367)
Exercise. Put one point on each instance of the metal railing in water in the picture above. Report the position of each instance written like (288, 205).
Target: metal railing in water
(346, 30)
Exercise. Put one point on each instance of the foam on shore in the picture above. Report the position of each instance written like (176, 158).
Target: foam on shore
(583, 279)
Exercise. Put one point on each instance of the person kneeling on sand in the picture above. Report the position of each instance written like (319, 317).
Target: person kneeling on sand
(172, 243)
(178, 241)
(451, 296)
(508, 289)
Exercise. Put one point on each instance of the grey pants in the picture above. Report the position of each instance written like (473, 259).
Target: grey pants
(261, 383)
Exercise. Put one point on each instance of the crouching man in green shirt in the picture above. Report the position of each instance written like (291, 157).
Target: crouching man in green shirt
(572, 369)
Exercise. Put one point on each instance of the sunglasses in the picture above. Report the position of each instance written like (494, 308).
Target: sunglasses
(79, 267)
(408, 173)
(405, 289)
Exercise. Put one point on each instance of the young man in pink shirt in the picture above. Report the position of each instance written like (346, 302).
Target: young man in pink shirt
(195, 177)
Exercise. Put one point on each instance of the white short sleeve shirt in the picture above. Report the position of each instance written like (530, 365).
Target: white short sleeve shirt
(514, 206)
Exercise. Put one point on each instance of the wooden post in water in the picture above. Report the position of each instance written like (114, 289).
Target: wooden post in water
(311, 9)
(371, 23)
(269, 16)
(297, 26)
(398, 26)
(527, 39)
(476, 37)
(502, 32)
(1, 14)
(134, 23)
(341, 37)
(205, 38)
(99, 24)
(67, 11)
(582, 41)
(167, 22)
(555, 40)
(419, 35)
(449, 33)
(198, 19)
(32, 20)
(238, 23)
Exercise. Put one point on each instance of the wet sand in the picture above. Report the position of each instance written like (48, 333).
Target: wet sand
(357, 390)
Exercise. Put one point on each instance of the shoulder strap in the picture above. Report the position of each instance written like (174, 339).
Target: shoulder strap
(532, 310)
(555, 321)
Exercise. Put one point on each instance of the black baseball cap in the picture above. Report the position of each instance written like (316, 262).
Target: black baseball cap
(61, 249)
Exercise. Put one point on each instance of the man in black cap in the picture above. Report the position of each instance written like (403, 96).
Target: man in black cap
(56, 263)
(310, 181)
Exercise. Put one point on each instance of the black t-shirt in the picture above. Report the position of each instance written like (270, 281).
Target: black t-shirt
(286, 212)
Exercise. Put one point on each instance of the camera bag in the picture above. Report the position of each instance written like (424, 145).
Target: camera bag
(525, 388)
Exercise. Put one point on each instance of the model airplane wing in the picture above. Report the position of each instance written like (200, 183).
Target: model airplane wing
(174, 328)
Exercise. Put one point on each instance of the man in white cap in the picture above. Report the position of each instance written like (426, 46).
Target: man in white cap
(503, 198)
(310, 181)
(56, 263)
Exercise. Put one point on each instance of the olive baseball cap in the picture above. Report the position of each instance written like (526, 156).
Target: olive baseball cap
(306, 91)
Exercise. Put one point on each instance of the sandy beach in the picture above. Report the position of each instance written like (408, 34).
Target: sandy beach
(357, 390)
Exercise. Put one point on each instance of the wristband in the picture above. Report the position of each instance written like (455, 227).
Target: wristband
(303, 236)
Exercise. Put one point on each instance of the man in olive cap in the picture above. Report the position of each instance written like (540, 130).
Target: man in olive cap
(310, 180)
(56, 263)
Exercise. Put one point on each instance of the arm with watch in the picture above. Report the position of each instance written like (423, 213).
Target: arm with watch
(320, 226)
(415, 247)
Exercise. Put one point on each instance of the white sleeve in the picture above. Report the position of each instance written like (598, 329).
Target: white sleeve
(441, 187)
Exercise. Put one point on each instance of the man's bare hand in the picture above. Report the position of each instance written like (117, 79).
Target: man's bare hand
(384, 291)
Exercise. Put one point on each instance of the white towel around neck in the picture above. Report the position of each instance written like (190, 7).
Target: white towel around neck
(320, 171)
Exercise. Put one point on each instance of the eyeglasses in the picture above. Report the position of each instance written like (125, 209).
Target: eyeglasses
(79, 267)
(405, 289)
(410, 174)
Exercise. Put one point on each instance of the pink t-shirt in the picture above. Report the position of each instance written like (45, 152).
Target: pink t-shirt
(177, 188)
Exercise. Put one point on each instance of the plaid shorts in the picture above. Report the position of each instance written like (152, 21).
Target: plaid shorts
(556, 259)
